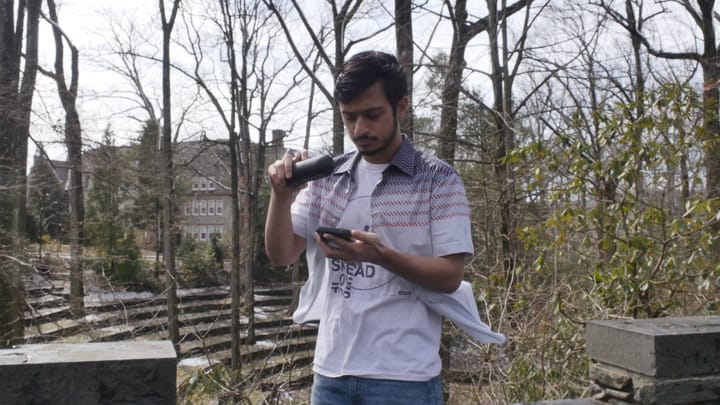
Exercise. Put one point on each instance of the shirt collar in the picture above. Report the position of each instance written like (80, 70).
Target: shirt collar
(404, 159)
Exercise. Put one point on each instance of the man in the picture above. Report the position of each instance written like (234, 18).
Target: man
(377, 341)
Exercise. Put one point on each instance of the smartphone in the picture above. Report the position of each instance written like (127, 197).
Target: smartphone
(338, 232)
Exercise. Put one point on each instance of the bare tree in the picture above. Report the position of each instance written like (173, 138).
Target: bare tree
(132, 54)
(463, 32)
(405, 52)
(16, 100)
(243, 103)
(704, 17)
(73, 141)
(506, 58)
(168, 175)
(342, 16)
(123, 44)
(16, 97)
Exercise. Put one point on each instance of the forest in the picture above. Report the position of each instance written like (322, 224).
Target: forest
(587, 134)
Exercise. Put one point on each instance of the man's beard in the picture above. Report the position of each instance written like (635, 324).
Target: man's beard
(385, 144)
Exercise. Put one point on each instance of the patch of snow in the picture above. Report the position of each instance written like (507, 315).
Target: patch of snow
(92, 317)
(264, 343)
(103, 298)
(192, 291)
(195, 362)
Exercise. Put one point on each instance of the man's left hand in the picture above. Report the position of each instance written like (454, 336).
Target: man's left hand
(364, 247)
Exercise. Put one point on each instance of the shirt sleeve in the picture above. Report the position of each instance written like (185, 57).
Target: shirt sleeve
(450, 215)
(300, 211)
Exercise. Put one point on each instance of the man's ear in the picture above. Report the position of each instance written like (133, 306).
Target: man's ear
(402, 106)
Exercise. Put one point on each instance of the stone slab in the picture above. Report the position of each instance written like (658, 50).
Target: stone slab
(693, 390)
(89, 373)
(662, 347)
(610, 376)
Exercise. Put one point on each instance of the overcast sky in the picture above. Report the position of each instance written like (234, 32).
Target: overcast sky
(105, 97)
(105, 100)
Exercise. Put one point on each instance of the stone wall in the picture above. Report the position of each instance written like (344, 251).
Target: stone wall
(89, 373)
(655, 361)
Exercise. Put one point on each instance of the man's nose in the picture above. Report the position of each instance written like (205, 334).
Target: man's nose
(361, 126)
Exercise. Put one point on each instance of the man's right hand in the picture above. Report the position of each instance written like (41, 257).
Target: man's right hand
(281, 170)
(281, 245)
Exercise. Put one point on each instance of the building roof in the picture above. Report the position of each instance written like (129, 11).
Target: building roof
(62, 170)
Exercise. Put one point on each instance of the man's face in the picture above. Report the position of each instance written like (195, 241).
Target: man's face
(372, 125)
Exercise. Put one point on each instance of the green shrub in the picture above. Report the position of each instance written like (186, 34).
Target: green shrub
(122, 263)
(198, 266)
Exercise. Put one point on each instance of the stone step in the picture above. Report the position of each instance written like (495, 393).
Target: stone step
(133, 312)
(41, 329)
(286, 367)
(274, 290)
(112, 302)
(265, 356)
(293, 379)
(47, 314)
(45, 301)
(141, 309)
(221, 343)
(110, 326)
(124, 300)
(188, 331)
(49, 331)
(280, 365)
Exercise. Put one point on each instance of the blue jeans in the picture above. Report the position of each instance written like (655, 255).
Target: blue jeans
(348, 390)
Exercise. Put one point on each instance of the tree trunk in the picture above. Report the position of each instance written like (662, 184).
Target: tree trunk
(15, 107)
(73, 142)
(639, 94)
(9, 136)
(168, 179)
(235, 287)
(405, 44)
(504, 140)
(338, 126)
(16, 103)
(711, 117)
(247, 170)
(12, 305)
(463, 32)
(27, 90)
(451, 91)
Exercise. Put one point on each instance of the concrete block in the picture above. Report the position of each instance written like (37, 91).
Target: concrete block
(663, 347)
(693, 390)
(612, 377)
(89, 373)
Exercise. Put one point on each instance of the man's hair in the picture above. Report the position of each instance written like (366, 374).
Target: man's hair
(364, 69)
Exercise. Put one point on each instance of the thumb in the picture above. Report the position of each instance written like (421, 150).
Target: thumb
(367, 237)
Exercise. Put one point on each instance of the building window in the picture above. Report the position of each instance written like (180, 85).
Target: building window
(196, 208)
(195, 231)
(218, 207)
(215, 231)
(203, 207)
(203, 232)
(211, 207)
(196, 183)
(203, 183)
(211, 184)
(188, 208)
